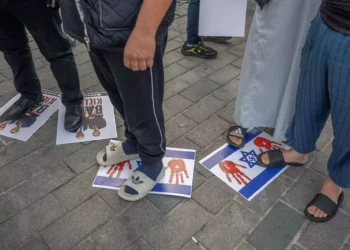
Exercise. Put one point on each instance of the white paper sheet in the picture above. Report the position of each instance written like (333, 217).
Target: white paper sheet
(222, 18)
(98, 121)
(24, 127)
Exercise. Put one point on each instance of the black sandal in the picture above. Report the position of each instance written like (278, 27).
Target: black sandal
(276, 160)
(325, 204)
(238, 132)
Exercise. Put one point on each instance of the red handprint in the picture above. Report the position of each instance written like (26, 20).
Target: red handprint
(118, 167)
(177, 167)
(264, 143)
(229, 167)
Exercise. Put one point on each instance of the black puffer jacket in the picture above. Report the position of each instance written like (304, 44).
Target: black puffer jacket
(106, 23)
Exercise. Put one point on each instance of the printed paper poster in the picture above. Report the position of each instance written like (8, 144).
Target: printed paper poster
(23, 128)
(98, 121)
(177, 181)
(239, 169)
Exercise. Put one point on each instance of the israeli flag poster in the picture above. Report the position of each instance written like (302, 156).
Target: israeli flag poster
(239, 168)
(178, 179)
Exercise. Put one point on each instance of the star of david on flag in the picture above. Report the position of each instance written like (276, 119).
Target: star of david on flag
(251, 158)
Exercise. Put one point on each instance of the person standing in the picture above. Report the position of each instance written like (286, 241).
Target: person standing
(323, 90)
(45, 26)
(271, 67)
(127, 43)
(194, 46)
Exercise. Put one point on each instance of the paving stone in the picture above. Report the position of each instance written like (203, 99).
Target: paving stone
(71, 229)
(35, 243)
(295, 172)
(7, 73)
(227, 112)
(325, 137)
(228, 228)
(127, 227)
(29, 222)
(2, 79)
(164, 203)
(85, 158)
(320, 164)
(172, 45)
(296, 247)
(190, 246)
(79, 48)
(177, 127)
(346, 247)
(82, 58)
(208, 131)
(40, 185)
(184, 143)
(228, 92)
(214, 194)
(198, 180)
(198, 73)
(199, 167)
(280, 227)
(44, 73)
(245, 246)
(204, 108)
(173, 34)
(267, 197)
(303, 191)
(85, 69)
(238, 63)
(173, 71)
(12, 175)
(48, 156)
(40, 63)
(173, 87)
(95, 89)
(199, 90)
(171, 57)
(191, 62)
(324, 236)
(178, 227)
(221, 61)
(225, 75)
(86, 245)
(47, 133)
(6, 208)
(36, 54)
(112, 198)
(140, 245)
(174, 106)
(220, 47)
(238, 50)
(77, 190)
(87, 82)
(19, 149)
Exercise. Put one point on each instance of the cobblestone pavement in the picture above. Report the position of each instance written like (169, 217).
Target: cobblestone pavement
(47, 202)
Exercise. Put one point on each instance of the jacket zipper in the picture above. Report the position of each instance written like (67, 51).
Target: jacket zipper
(81, 15)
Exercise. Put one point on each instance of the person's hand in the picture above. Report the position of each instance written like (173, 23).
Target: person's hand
(139, 51)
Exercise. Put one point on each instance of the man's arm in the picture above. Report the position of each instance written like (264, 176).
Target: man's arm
(140, 48)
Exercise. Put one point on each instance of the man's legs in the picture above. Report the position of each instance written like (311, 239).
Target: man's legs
(53, 44)
(193, 46)
(14, 45)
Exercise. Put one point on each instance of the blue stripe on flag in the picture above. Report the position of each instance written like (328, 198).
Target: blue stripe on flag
(227, 151)
(259, 181)
(110, 182)
(172, 188)
(171, 153)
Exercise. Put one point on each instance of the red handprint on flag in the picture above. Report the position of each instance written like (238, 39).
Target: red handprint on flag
(177, 167)
(264, 143)
(231, 168)
(119, 167)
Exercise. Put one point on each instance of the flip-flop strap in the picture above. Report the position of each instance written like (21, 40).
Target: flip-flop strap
(276, 158)
(140, 182)
(325, 204)
(237, 131)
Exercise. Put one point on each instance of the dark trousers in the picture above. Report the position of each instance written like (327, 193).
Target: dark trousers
(45, 26)
(193, 22)
(324, 90)
(138, 96)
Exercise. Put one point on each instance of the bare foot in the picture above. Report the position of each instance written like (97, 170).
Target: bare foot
(289, 156)
(331, 190)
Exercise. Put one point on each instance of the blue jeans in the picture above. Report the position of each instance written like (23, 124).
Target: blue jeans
(323, 90)
(193, 22)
